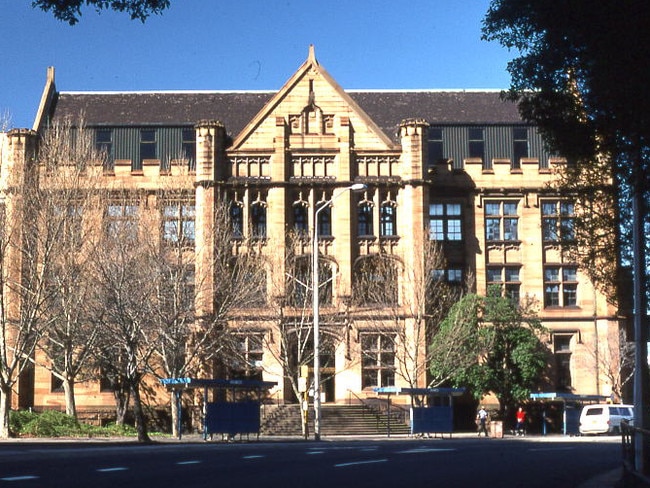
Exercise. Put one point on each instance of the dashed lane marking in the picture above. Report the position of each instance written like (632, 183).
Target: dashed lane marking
(253, 456)
(355, 463)
(19, 478)
(183, 463)
(111, 470)
(421, 450)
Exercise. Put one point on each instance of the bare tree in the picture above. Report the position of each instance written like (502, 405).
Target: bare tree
(405, 305)
(124, 267)
(26, 257)
(614, 358)
(70, 169)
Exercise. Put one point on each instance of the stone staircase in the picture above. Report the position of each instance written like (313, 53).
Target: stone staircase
(284, 420)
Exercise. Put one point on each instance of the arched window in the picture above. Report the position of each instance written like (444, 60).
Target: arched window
(376, 281)
(300, 282)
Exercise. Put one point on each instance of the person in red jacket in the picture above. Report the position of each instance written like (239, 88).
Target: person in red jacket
(521, 419)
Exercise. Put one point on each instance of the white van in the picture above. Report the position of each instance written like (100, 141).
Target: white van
(604, 418)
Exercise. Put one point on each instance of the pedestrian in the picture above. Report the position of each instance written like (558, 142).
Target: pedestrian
(482, 418)
(521, 419)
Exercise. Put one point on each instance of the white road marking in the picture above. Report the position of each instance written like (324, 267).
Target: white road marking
(110, 470)
(354, 463)
(420, 450)
(253, 456)
(181, 463)
(19, 478)
(309, 453)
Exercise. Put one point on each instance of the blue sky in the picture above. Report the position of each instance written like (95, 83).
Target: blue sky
(247, 45)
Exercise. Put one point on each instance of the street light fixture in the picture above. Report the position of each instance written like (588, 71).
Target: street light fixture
(315, 301)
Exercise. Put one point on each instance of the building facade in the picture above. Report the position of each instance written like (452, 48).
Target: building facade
(457, 167)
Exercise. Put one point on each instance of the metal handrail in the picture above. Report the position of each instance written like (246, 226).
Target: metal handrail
(397, 412)
(628, 434)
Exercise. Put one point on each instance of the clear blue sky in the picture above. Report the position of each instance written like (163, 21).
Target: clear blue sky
(247, 45)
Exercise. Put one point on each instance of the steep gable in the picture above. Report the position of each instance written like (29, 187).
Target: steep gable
(311, 93)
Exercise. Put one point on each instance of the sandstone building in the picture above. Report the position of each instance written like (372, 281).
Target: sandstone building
(460, 167)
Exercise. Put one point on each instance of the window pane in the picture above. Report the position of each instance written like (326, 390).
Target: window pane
(492, 229)
(494, 275)
(552, 274)
(436, 230)
(569, 274)
(549, 208)
(453, 209)
(510, 229)
(492, 209)
(512, 274)
(509, 208)
(455, 230)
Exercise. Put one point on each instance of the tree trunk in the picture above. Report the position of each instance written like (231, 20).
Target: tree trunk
(122, 398)
(138, 414)
(70, 405)
(5, 408)
(176, 413)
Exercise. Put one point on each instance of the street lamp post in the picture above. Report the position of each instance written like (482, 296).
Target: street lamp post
(315, 302)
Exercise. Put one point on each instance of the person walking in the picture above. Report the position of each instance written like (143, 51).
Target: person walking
(482, 418)
(521, 419)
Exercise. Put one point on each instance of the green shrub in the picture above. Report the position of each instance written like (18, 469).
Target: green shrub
(52, 423)
(18, 419)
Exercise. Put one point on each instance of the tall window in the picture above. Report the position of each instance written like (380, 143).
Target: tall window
(324, 220)
(388, 220)
(300, 219)
(365, 227)
(501, 221)
(560, 286)
(258, 220)
(476, 144)
(519, 145)
(445, 222)
(148, 144)
(507, 278)
(237, 219)
(178, 223)
(121, 221)
(104, 145)
(562, 354)
(558, 218)
(435, 146)
(188, 147)
(378, 360)
(247, 360)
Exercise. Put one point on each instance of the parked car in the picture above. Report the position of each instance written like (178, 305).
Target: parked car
(604, 418)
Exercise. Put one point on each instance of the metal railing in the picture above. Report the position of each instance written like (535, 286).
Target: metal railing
(379, 407)
(629, 435)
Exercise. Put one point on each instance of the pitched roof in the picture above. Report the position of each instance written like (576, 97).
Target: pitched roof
(237, 108)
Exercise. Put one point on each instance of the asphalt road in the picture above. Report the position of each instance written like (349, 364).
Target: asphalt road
(458, 462)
